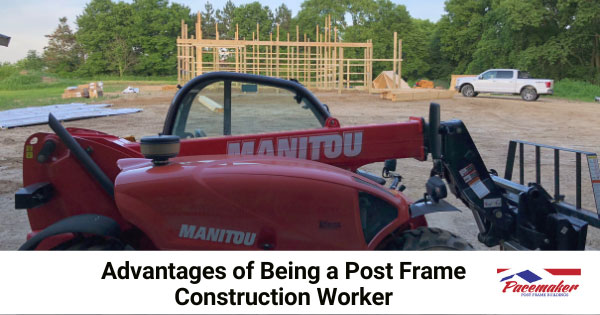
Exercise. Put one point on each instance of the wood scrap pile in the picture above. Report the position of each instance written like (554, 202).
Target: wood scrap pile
(92, 90)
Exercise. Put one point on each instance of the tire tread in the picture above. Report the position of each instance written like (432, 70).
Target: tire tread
(427, 238)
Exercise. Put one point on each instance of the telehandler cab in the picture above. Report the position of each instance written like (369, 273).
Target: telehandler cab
(214, 178)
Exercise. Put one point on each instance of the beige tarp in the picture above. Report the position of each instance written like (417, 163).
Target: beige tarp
(386, 79)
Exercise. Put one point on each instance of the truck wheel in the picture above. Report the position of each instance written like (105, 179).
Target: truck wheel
(468, 91)
(427, 238)
(91, 243)
(529, 94)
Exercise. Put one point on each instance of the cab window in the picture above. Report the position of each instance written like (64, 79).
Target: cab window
(505, 75)
(489, 75)
(524, 75)
(252, 108)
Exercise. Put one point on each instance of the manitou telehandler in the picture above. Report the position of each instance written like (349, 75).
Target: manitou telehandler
(253, 162)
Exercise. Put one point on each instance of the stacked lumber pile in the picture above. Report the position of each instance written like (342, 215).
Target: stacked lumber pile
(417, 95)
(387, 85)
(92, 90)
(424, 84)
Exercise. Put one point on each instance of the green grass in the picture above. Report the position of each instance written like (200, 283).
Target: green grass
(576, 90)
(33, 88)
(40, 97)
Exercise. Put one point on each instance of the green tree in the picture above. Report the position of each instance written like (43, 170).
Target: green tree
(460, 30)
(362, 11)
(155, 25)
(225, 20)
(549, 38)
(247, 15)
(379, 25)
(208, 21)
(33, 61)
(314, 12)
(283, 17)
(63, 53)
(102, 23)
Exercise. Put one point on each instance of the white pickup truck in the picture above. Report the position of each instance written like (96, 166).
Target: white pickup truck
(505, 81)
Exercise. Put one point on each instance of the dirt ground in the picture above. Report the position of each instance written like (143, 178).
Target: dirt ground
(491, 120)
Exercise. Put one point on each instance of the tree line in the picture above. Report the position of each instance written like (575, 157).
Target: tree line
(550, 38)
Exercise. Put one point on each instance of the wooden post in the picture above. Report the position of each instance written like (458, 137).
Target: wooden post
(395, 62)
(304, 66)
(347, 74)
(399, 62)
(317, 59)
(270, 56)
(237, 59)
(199, 26)
(327, 53)
(199, 47)
(287, 57)
(334, 58)
(341, 72)
(297, 54)
(277, 48)
(178, 61)
(370, 73)
(256, 56)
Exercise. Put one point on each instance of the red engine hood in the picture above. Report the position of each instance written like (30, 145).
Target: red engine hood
(281, 200)
(137, 170)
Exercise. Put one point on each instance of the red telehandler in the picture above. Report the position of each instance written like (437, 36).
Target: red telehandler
(290, 190)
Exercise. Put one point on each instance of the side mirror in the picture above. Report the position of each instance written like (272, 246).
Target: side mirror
(436, 188)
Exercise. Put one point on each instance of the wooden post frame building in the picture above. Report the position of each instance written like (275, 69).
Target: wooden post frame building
(325, 63)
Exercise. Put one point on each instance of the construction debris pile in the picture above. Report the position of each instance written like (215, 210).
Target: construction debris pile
(392, 87)
(92, 90)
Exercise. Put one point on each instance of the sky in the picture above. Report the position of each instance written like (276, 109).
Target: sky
(27, 21)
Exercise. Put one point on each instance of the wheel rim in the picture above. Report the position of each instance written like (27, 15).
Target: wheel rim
(469, 91)
(529, 94)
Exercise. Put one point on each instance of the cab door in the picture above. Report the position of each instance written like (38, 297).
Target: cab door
(504, 82)
(485, 82)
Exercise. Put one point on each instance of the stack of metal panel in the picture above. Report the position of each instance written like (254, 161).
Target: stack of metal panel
(39, 115)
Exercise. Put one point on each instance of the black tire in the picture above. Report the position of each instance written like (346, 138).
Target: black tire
(537, 97)
(426, 238)
(529, 94)
(468, 91)
(91, 243)
(475, 94)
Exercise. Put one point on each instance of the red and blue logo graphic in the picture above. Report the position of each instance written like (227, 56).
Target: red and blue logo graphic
(539, 282)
